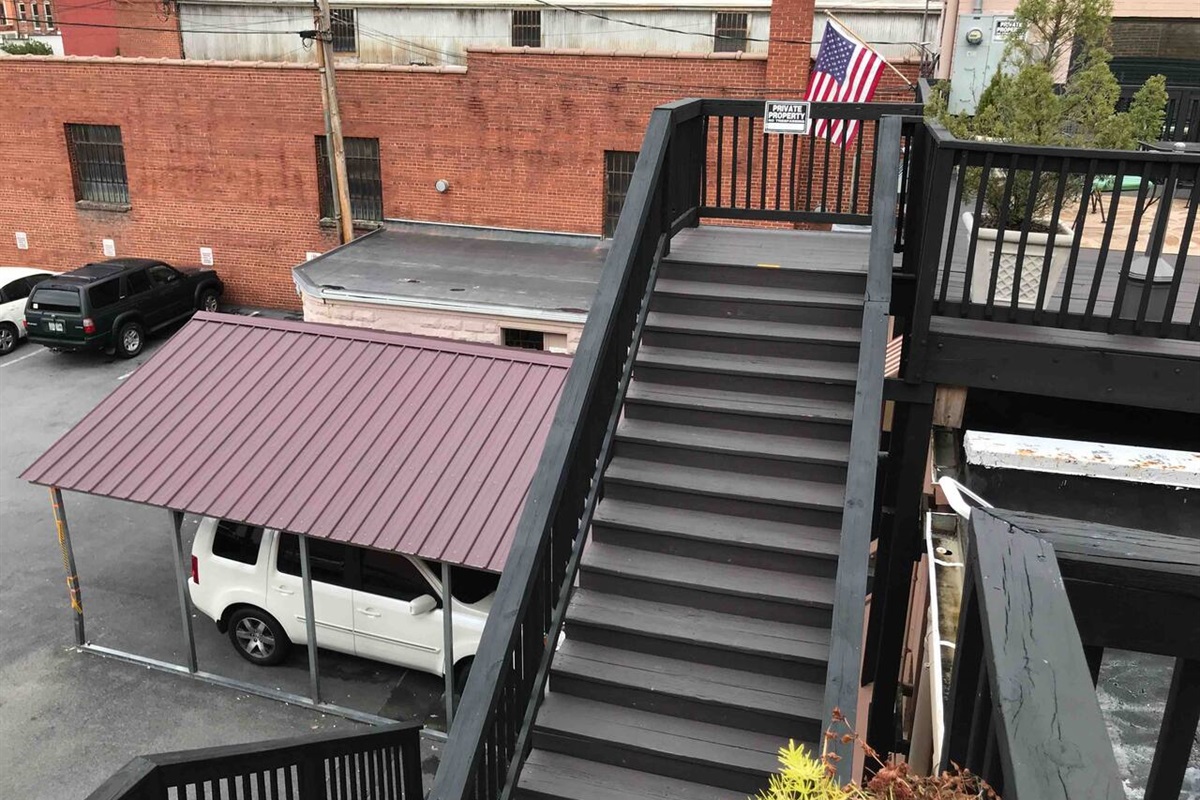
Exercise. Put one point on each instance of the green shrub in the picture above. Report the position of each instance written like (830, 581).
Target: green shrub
(27, 47)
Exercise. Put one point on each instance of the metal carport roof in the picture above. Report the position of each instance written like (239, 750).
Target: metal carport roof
(418, 445)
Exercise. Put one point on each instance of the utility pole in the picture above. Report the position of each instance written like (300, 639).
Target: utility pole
(334, 145)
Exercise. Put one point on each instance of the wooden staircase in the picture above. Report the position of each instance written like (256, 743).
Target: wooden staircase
(698, 637)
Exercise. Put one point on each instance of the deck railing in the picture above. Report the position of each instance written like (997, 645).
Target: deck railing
(1090, 240)
(685, 158)
(383, 764)
(787, 177)
(1022, 712)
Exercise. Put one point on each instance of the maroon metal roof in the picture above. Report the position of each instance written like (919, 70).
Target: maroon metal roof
(418, 445)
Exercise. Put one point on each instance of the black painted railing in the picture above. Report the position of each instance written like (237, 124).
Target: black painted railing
(787, 177)
(687, 155)
(382, 764)
(1022, 712)
(1092, 240)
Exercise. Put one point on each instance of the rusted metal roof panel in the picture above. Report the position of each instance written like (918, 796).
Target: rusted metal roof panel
(418, 445)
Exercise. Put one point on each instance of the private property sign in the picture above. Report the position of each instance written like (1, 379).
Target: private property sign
(787, 116)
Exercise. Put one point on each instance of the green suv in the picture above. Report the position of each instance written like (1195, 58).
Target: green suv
(112, 305)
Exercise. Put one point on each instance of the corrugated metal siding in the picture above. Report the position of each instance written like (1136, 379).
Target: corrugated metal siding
(403, 443)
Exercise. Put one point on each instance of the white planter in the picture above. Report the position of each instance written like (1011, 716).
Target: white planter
(1033, 262)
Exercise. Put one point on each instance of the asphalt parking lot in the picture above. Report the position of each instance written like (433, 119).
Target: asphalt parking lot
(69, 719)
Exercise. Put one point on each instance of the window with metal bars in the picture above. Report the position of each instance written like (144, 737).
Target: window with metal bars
(618, 171)
(527, 28)
(343, 23)
(362, 172)
(97, 157)
(730, 31)
(527, 340)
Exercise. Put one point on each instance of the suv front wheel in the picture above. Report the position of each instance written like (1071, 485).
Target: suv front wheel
(210, 300)
(131, 338)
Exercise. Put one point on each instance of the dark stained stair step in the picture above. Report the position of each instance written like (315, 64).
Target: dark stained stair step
(719, 492)
(752, 337)
(553, 776)
(825, 278)
(765, 646)
(718, 537)
(696, 583)
(784, 707)
(739, 410)
(735, 451)
(682, 749)
(790, 376)
(779, 304)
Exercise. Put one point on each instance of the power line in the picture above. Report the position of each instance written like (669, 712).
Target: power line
(171, 30)
(584, 12)
(380, 36)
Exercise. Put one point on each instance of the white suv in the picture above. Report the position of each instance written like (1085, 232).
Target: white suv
(372, 603)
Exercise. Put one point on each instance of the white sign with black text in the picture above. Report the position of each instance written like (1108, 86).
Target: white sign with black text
(787, 116)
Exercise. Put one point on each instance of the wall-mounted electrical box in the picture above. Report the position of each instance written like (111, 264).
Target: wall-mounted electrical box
(978, 53)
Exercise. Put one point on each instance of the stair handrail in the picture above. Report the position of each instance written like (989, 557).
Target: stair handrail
(858, 514)
(485, 750)
(383, 760)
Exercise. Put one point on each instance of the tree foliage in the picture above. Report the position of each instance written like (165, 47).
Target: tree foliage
(1022, 104)
(27, 47)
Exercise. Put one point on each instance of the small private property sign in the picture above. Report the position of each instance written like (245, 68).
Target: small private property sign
(787, 116)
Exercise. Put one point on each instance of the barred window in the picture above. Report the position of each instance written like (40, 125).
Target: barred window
(618, 171)
(344, 28)
(730, 32)
(527, 28)
(362, 171)
(97, 158)
(526, 340)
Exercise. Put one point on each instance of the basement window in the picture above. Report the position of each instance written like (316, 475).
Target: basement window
(343, 24)
(365, 181)
(527, 28)
(618, 172)
(526, 340)
(730, 32)
(97, 157)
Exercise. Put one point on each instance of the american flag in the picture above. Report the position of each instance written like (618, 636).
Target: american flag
(845, 72)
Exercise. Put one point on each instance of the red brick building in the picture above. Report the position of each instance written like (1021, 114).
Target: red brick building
(164, 156)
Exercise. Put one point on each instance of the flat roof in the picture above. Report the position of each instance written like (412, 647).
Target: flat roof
(405, 443)
(544, 276)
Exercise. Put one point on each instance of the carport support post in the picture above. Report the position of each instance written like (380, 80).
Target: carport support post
(448, 646)
(68, 556)
(181, 580)
(310, 623)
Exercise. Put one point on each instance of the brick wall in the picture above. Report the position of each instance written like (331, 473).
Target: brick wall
(222, 155)
(1163, 38)
(147, 29)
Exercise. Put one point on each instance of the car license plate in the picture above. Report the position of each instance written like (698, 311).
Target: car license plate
(55, 326)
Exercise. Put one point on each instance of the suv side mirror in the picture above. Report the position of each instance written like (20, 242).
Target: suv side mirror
(422, 605)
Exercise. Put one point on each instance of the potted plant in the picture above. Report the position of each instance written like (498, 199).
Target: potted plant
(1023, 105)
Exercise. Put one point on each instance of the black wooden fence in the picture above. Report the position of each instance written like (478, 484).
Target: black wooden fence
(1181, 123)
(687, 155)
(380, 764)
(1022, 712)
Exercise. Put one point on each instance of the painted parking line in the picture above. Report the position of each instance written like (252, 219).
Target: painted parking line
(22, 358)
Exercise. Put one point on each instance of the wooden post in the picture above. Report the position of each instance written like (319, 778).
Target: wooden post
(335, 145)
(310, 622)
(68, 557)
(181, 581)
(949, 405)
(448, 635)
(1178, 731)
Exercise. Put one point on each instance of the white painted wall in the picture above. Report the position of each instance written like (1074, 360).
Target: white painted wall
(439, 32)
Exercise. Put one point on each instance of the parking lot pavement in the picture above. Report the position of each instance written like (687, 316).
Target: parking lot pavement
(69, 719)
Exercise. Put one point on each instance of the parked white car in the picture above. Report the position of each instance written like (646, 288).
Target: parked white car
(372, 603)
(15, 285)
